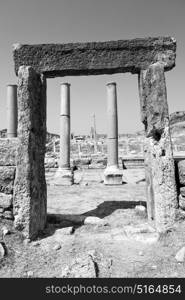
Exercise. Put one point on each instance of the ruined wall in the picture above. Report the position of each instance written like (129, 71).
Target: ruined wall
(180, 179)
(8, 157)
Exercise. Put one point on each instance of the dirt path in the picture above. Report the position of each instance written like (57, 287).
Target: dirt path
(125, 238)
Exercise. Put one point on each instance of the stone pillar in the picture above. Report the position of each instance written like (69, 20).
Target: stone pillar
(64, 175)
(11, 111)
(112, 174)
(30, 193)
(159, 162)
(79, 150)
(149, 181)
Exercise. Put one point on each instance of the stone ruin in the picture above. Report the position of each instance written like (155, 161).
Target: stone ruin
(23, 190)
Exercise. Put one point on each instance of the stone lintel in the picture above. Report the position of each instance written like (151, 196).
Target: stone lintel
(95, 58)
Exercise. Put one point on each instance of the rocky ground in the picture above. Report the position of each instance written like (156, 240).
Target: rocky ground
(95, 231)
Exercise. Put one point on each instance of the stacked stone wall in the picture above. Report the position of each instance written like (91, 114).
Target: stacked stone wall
(8, 156)
(180, 180)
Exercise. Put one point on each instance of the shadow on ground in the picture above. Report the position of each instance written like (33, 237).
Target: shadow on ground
(76, 220)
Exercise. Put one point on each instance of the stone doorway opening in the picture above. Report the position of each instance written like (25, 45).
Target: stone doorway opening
(149, 58)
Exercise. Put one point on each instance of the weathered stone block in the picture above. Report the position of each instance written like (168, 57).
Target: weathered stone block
(182, 202)
(30, 186)
(96, 57)
(154, 107)
(161, 168)
(6, 200)
(8, 151)
(182, 191)
(8, 215)
(181, 170)
(176, 117)
(7, 176)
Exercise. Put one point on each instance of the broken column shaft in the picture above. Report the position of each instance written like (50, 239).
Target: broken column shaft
(11, 111)
(112, 173)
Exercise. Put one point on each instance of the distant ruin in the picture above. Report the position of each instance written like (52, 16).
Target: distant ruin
(149, 58)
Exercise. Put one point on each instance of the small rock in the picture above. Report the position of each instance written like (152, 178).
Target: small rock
(141, 253)
(84, 183)
(57, 247)
(2, 210)
(88, 265)
(66, 230)
(2, 250)
(95, 221)
(5, 230)
(30, 274)
(154, 267)
(36, 244)
(140, 208)
(181, 171)
(8, 215)
(182, 202)
(180, 256)
(182, 191)
(26, 242)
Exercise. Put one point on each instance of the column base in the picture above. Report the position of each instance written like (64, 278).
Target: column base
(113, 176)
(64, 177)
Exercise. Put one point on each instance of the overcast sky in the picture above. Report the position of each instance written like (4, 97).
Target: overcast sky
(62, 21)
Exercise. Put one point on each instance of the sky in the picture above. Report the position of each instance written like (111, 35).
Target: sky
(63, 21)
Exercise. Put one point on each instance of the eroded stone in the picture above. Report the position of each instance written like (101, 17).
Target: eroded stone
(7, 176)
(30, 186)
(161, 170)
(181, 171)
(96, 57)
(8, 151)
(5, 200)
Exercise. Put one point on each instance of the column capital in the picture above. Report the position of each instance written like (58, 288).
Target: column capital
(65, 83)
(111, 83)
(12, 85)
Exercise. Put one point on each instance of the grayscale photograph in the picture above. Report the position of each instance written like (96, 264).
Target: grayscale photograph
(92, 140)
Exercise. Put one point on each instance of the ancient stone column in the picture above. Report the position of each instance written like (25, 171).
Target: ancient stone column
(11, 111)
(159, 162)
(64, 175)
(30, 194)
(79, 150)
(112, 174)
